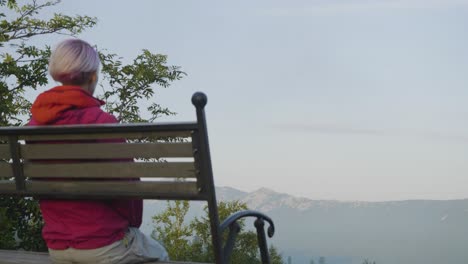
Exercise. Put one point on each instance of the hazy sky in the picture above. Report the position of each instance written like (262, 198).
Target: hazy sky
(347, 100)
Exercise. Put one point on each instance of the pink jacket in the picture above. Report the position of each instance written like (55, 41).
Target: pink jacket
(81, 224)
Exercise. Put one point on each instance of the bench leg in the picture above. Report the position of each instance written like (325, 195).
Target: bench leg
(215, 232)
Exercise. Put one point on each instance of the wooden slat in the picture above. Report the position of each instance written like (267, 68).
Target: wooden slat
(7, 187)
(22, 257)
(5, 151)
(135, 135)
(26, 257)
(5, 170)
(47, 189)
(106, 150)
(110, 170)
(118, 188)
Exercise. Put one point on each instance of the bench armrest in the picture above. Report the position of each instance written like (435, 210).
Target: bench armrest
(234, 229)
(237, 216)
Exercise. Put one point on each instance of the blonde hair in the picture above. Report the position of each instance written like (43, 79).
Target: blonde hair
(73, 61)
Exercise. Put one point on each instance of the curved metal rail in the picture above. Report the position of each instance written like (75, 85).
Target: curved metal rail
(234, 229)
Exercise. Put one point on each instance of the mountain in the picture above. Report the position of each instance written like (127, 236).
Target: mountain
(402, 232)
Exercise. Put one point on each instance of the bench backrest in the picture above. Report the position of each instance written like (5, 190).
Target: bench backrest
(98, 161)
(172, 160)
(66, 161)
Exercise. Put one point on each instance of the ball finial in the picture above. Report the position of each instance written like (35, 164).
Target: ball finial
(199, 99)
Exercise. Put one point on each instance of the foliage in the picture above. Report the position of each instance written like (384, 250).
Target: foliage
(176, 233)
(23, 68)
(245, 250)
(275, 256)
(192, 241)
(130, 83)
(366, 261)
(21, 218)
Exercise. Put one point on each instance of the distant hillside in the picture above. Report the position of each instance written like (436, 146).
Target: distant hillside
(403, 232)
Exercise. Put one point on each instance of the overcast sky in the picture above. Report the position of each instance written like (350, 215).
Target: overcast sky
(347, 100)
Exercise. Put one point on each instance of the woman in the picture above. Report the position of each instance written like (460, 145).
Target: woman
(86, 231)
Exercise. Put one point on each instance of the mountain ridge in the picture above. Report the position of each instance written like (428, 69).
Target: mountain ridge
(266, 199)
(347, 232)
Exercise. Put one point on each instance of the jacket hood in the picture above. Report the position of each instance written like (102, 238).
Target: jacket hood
(49, 105)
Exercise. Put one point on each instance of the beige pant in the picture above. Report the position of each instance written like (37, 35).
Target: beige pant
(134, 248)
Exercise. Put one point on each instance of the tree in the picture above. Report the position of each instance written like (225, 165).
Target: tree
(366, 261)
(199, 241)
(245, 250)
(23, 67)
(275, 256)
(312, 261)
(173, 231)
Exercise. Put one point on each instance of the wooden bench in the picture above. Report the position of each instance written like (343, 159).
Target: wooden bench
(22, 257)
(184, 174)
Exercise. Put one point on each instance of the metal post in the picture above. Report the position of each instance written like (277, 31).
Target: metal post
(262, 243)
(234, 230)
(17, 166)
(199, 100)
